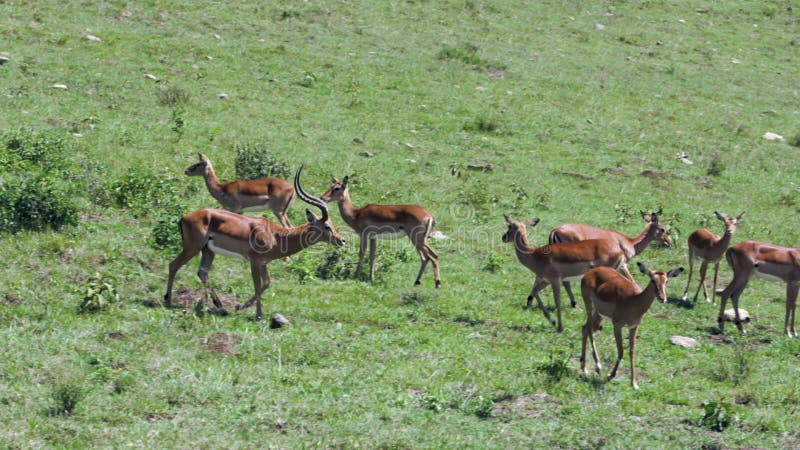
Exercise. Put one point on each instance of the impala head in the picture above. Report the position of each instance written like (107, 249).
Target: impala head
(322, 227)
(337, 190)
(659, 279)
(199, 168)
(659, 229)
(730, 222)
(517, 227)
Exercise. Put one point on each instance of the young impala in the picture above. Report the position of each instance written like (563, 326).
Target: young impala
(609, 295)
(385, 221)
(767, 261)
(255, 239)
(709, 248)
(246, 195)
(631, 246)
(555, 263)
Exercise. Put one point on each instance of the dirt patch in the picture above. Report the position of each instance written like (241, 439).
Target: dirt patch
(221, 343)
(615, 171)
(496, 73)
(187, 297)
(531, 405)
(116, 335)
(13, 299)
(156, 417)
(653, 174)
(577, 175)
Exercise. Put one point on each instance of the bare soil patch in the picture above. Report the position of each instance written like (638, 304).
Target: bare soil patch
(530, 405)
(222, 343)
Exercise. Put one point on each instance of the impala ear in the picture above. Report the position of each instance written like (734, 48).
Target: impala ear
(310, 216)
(645, 216)
(532, 222)
(740, 216)
(334, 180)
(344, 181)
(202, 157)
(675, 272)
(720, 216)
(642, 268)
(507, 217)
(654, 217)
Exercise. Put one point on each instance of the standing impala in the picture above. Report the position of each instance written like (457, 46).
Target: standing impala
(385, 221)
(767, 261)
(631, 246)
(555, 263)
(246, 195)
(709, 248)
(254, 239)
(609, 295)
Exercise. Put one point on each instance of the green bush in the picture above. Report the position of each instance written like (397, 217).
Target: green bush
(257, 161)
(99, 292)
(144, 192)
(66, 397)
(35, 204)
(26, 150)
(166, 234)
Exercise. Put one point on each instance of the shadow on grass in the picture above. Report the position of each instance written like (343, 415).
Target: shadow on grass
(680, 302)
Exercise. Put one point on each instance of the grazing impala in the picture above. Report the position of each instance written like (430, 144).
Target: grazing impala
(609, 295)
(631, 246)
(767, 261)
(709, 248)
(385, 221)
(255, 239)
(554, 263)
(246, 195)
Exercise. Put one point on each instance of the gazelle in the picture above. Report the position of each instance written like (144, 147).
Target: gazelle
(555, 263)
(385, 221)
(631, 246)
(246, 195)
(767, 261)
(254, 239)
(609, 295)
(709, 248)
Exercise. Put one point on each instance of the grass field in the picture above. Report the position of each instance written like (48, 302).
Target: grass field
(579, 108)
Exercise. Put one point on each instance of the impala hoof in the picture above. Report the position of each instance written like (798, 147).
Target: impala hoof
(417, 283)
(438, 284)
(239, 307)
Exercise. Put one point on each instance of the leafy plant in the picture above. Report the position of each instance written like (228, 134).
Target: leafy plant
(99, 292)
(556, 367)
(257, 161)
(717, 416)
(178, 121)
(145, 192)
(35, 204)
(65, 397)
(333, 266)
(166, 233)
(493, 263)
(171, 95)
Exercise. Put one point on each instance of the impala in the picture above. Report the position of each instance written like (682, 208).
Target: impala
(766, 261)
(255, 239)
(246, 195)
(555, 263)
(385, 221)
(609, 295)
(709, 248)
(631, 246)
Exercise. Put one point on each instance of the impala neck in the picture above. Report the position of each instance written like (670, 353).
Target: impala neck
(293, 240)
(347, 210)
(524, 250)
(725, 240)
(643, 239)
(212, 182)
(642, 301)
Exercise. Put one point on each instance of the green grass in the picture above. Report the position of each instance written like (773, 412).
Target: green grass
(569, 116)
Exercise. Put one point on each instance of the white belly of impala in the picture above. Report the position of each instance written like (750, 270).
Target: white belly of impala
(573, 279)
(222, 251)
(255, 208)
(392, 235)
(767, 276)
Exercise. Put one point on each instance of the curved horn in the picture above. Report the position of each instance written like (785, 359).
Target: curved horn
(311, 200)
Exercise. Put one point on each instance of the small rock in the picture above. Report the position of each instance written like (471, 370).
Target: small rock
(59, 86)
(730, 316)
(684, 341)
(216, 36)
(437, 235)
(222, 96)
(770, 136)
(93, 38)
(366, 154)
(484, 167)
(150, 76)
(209, 58)
(408, 144)
(278, 321)
(769, 112)
(3, 60)
(358, 141)
(684, 158)
(599, 27)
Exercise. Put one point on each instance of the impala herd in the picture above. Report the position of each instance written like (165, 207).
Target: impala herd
(594, 256)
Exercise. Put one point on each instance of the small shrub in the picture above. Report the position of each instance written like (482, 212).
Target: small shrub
(171, 95)
(716, 166)
(795, 141)
(493, 263)
(483, 407)
(26, 149)
(145, 192)
(483, 125)
(66, 397)
(257, 161)
(99, 293)
(556, 368)
(166, 234)
(35, 204)
(431, 402)
(717, 416)
(333, 266)
(178, 121)
(304, 268)
(465, 53)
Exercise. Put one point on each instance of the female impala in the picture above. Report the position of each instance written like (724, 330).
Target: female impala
(609, 295)
(255, 239)
(555, 263)
(246, 195)
(767, 261)
(385, 221)
(631, 246)
(709, 248)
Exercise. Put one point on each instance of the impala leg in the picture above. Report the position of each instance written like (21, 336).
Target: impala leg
(618, 339)
(183, 257)
(623, 269)
(372, 244)
(597, 321)
(703, 268)
(689, 278)
(206, 260)
(568, 288)
(791, 306)
(434, 259)
(362, 248)
(737, 320)
(538, 285)
(714, 290)
(260, 284)
(632, 350)
(557, 297)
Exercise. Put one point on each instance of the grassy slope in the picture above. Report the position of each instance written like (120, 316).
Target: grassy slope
(408, 367)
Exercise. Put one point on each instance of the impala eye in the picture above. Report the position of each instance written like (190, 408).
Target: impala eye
(328, 228)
